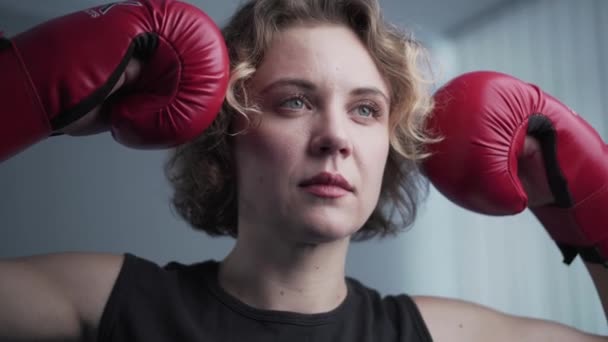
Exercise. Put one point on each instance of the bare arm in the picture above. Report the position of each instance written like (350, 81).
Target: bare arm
(60, 297)
(55, 297)
(455, 320)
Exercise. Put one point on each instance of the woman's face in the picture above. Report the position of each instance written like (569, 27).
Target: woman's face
(312, 170)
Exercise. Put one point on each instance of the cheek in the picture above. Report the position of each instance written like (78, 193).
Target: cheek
(262, 155)
(381, 170)
(376, 153)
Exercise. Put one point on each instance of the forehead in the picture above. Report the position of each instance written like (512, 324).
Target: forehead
(324, 54)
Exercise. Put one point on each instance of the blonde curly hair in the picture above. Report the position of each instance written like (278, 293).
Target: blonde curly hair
(202, 172)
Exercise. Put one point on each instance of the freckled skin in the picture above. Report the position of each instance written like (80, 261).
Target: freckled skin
(284, 149)
(324, 108)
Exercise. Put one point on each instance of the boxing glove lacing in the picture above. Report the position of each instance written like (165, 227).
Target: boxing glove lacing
(4, 43)
(541, 128)
(142, 48)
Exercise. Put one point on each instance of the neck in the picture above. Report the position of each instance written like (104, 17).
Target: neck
(271, 274)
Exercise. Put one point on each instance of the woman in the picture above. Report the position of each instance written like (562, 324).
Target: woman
(325, 113)
(321, 133)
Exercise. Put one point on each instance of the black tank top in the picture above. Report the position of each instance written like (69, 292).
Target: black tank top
(184, 303)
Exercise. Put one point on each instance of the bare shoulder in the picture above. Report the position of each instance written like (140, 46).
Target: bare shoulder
(68, 291)
(457, 320)
(89, 277)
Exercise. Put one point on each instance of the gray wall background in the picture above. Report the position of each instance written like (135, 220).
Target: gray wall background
(91, 194)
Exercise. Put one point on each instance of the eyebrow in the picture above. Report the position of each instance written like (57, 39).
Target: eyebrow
(298, 82)
(370, 91)
(309, 86)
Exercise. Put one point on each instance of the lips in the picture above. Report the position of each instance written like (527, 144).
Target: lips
(328, 179)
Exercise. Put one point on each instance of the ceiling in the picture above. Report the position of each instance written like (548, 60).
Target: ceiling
(431, 16)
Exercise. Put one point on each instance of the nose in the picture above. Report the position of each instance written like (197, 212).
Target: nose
(330, 136)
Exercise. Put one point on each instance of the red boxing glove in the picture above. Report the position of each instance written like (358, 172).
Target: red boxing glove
(59, 71)
(484, 118)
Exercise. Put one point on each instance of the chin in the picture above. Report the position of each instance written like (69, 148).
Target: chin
(324, 232)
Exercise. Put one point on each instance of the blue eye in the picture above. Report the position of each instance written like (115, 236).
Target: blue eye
(367, 110)
(295, 103)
